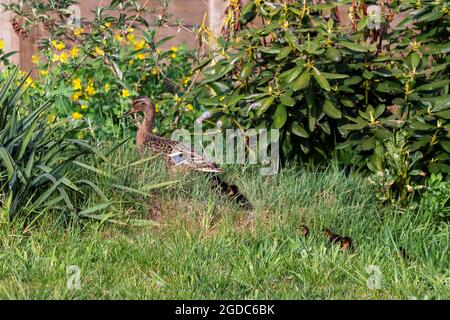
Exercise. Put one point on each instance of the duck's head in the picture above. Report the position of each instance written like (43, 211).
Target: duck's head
(140, 104)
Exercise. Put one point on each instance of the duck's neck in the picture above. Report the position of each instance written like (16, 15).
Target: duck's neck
(147, 125)
(145, 128)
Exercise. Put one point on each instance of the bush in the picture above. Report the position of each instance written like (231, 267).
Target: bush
(337, 90)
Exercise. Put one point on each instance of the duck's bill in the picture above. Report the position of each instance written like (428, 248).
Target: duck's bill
(127, 114)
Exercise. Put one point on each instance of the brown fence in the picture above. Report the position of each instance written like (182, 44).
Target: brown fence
(191, 12)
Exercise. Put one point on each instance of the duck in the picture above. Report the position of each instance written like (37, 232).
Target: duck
(176, 154)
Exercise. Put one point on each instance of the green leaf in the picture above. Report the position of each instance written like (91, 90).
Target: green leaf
(354, 46)
(368, 143)
(331, 110)
(7, 162)
(283, 53)
(433, 85)
(247, 70)
(302, 81)
(287, 100)
(333, 76)
(412, 61)
(298, 130)
(208, 101)
(362, 23)
(280, 116)
(333, 54)
(290, 75)
(445, 145)
(265, 104)
(445, 114)
(321, 80)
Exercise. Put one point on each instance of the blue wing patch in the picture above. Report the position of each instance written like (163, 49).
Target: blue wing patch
(177, 158)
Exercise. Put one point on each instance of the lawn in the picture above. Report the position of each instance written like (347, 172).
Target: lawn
(185, 241)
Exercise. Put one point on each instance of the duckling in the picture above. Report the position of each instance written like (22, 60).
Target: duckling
(303, 230)
(346, 243)
(332, 237)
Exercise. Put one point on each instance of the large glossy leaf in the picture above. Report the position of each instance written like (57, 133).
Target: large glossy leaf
(265, 104)
(280, 116)
(321, 80)
(331, 110)
(299, 130)
(302, 81)
(354, 46)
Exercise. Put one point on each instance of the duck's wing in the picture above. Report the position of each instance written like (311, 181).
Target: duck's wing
(183, 155)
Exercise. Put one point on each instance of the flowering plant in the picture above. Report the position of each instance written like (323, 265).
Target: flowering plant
(95, 68)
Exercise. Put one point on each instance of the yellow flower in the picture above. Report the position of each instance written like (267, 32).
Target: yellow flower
(155, 71)
(174, 49)
(177, 99)
(158, 51)
(77, 84)
(173, 55)
(43, 72)
(118, 37)
(189, 107)
(141, 56)
(138, 45)
(76, 96)
(99, 51)
(107, 87)
(77, 116)
(108, 24)
(78, 31)
(35, 59)
(155, 130)
(55, 58)
(90, 90)
(130, 30)
(74, 52)
(186, 80)
(156, 107)
(64, 58)
(83, 107)
(51, 118)
(131, 62)
(125, 93)
(30, 82)
(130, 37)
(60, 45)
(2, 44)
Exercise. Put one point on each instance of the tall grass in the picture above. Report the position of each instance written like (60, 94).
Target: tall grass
(192, 243)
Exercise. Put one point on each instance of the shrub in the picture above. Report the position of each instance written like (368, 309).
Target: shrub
(333, 89)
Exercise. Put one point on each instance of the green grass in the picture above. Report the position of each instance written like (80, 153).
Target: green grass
(193, 244)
